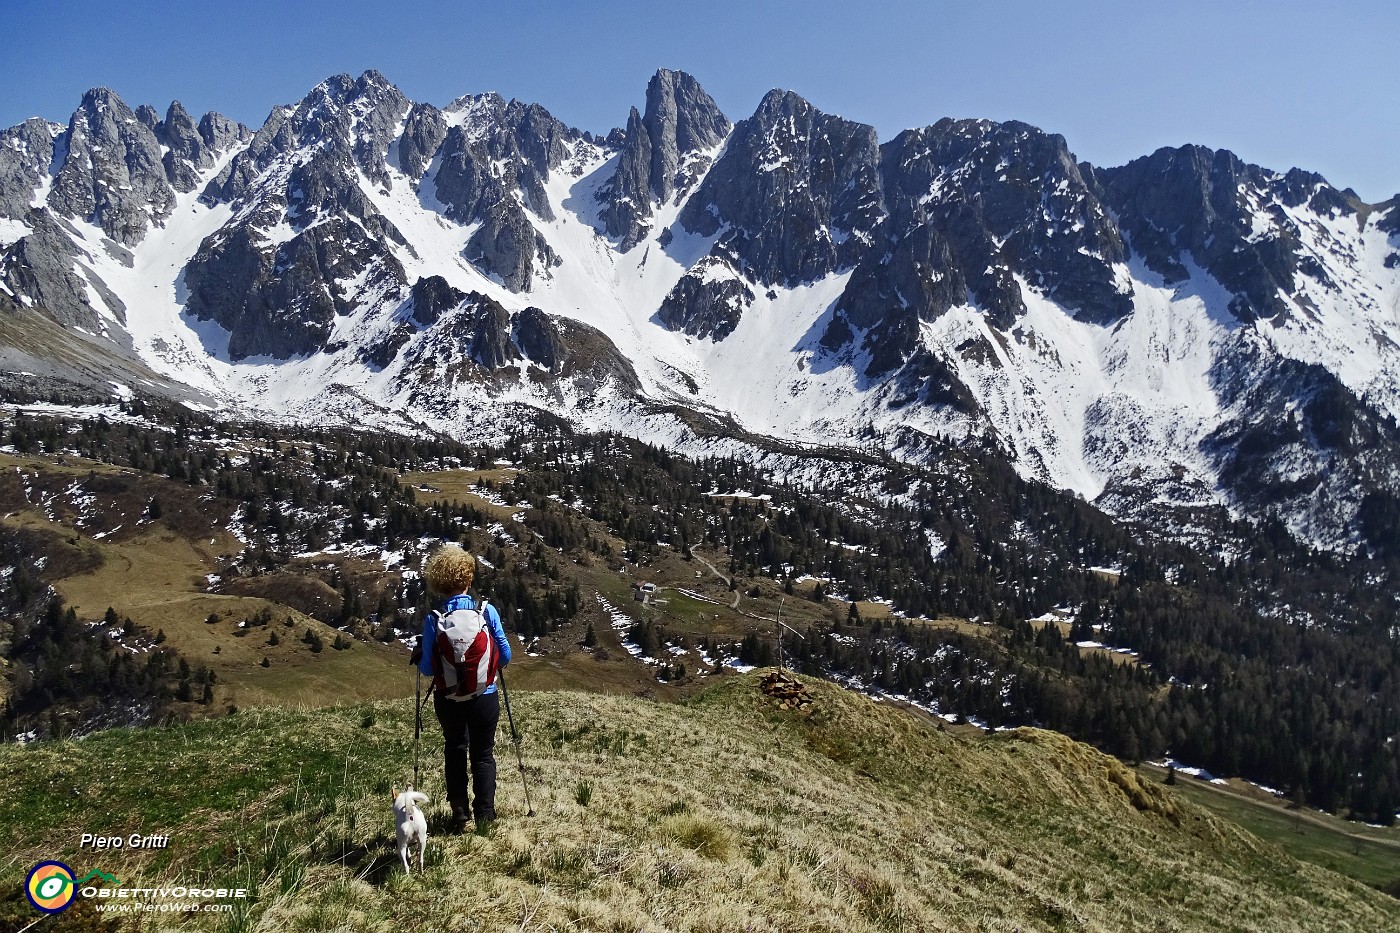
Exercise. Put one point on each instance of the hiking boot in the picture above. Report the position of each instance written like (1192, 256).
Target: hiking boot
(485, 821)
(458, 824)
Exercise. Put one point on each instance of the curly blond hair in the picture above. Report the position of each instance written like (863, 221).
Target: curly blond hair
(449, 570)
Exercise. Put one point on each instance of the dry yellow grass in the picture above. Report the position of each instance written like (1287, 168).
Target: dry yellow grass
(720, 814)
(444, 486)
(159, 580)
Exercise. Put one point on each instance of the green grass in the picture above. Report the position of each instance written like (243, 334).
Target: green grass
(690, 614)
(721, 813)
(1370, 856)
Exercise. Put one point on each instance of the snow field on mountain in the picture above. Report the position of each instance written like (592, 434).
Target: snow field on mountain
(151, 287)
(12, 231)
(415, 210)
(758, 374)
(1353, 328)
(1080, 403)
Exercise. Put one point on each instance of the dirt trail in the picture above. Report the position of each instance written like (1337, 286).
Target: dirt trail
(1302, 815)
(715, 570)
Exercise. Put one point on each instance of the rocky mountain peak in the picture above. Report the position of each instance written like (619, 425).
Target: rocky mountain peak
(342, 90)
(476, 114)
(1011, 201)
(109, 170)
(372, 78)
(302, 170)
(176, 112)
(798, 189)
(662, 153)
(423, 132)
(305, 170)
(26, 152)
(98, 99)
(219, 132)
(1299, 186)
(781, 101)
(795, 196)
(112, 175)
(1224, 215)
(680, 119)
(344, 123)
(149, 116)
(357, 115)
(188, 152)
(494, 162)
(626, 199)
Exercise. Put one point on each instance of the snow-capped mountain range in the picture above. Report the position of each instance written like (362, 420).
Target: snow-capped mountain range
(1181, 336)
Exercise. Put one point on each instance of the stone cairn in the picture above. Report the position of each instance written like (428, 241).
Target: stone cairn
(790, 692)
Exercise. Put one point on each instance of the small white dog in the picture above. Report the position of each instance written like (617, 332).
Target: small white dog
(410, 824)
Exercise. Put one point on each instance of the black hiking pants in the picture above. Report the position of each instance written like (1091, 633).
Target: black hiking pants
(469, 747)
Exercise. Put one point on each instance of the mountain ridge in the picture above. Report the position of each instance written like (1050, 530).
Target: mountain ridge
(789, 271)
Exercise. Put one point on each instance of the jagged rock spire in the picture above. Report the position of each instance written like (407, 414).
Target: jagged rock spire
(662, 152)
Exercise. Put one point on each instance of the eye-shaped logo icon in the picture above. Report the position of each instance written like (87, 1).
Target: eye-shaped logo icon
(50, 887)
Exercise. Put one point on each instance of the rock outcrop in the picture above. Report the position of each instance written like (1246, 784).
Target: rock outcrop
(662, 153)
(112, 173)
(493, 165)
(795, 196)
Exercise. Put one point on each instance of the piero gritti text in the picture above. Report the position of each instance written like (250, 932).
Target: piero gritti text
(134, 841)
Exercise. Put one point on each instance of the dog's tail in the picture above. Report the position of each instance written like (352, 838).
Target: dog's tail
(411, 797)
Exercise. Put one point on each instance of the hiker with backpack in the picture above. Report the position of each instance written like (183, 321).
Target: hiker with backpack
(462, 648)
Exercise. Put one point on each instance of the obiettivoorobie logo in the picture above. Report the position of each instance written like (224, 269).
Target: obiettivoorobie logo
(51, 887)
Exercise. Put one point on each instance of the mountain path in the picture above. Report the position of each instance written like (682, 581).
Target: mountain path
(715, 570)
(1297, 815)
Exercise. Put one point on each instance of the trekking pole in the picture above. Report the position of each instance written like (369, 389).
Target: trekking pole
(417, 719)
(515, 740)
(420, 700)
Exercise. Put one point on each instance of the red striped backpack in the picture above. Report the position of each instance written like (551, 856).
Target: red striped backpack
(464, 654)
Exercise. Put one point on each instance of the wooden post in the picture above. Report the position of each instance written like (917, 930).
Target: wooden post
(783, 625)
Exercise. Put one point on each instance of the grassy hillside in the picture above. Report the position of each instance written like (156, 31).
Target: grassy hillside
(102, 549)
(1370, 854)
(725, 812)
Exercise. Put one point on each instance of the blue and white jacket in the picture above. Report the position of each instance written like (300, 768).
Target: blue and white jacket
(493, 625)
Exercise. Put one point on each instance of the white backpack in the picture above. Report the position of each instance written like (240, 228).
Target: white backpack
(465, 656)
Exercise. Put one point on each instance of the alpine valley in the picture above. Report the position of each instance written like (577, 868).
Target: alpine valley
(1112, 451)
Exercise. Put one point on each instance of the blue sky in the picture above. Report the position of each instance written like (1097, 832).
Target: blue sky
(1281, 83)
